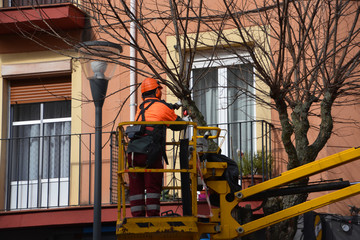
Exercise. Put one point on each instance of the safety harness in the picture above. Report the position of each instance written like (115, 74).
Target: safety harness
(156, 131)
(151, 102)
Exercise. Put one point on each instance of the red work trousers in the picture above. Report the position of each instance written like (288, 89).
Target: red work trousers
(139, 182)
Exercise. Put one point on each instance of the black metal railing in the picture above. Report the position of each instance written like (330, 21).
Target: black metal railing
(249, 144)
(58, 171)
(24, 3)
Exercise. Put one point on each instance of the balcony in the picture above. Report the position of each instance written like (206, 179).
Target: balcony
(57, 171)
(249, 144)
(22, 3)
(26, 15)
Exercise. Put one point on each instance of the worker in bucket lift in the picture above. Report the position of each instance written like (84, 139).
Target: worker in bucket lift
(146, 149)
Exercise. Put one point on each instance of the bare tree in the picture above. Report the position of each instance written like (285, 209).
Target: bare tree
(154, 22)
(305, 53)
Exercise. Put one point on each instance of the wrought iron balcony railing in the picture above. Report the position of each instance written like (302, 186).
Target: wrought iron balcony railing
(23, 3)
(249, 144)
(57, 171)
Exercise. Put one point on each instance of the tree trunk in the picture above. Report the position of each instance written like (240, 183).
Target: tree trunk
(199, 119)
(284, 230)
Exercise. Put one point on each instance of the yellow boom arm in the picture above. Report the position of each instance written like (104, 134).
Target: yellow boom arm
(221, 225)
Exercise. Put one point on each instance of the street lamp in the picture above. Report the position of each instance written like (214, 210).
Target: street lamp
(97, 61)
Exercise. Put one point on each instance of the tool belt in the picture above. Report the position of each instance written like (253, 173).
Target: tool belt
(146, 145)
(135, 131)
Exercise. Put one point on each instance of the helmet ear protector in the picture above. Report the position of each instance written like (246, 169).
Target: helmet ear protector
(158, 92)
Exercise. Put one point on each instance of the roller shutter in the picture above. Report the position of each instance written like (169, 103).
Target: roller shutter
(40, 90)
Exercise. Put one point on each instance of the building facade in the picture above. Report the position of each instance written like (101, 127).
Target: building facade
(47, 124)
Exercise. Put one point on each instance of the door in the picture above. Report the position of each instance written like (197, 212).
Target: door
(39, 154)
(223, 89)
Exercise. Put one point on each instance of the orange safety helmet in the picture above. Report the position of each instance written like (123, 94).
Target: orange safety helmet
(150, 84)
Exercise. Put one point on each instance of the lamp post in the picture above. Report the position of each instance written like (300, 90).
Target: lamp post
(97, 62)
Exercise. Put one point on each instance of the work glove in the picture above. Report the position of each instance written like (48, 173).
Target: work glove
(186, 119)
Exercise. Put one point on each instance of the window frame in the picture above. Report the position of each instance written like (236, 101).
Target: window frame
(222, 61)
(42, 188)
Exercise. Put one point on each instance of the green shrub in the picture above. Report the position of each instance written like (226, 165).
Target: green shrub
(257, 159)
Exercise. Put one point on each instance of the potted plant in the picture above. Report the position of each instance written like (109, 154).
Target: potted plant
(254, 167)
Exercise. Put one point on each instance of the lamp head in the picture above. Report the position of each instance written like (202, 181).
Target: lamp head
(99, 69)
(97, 59)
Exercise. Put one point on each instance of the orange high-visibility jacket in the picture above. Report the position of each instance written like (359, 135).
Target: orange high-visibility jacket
(158, 111)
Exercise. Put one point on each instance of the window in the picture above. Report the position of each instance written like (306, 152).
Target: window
(39, 154)
(18, 3)
(223, 90)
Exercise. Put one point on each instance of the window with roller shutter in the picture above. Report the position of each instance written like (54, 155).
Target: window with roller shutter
(40, 142)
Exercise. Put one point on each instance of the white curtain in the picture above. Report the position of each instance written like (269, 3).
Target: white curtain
(56, 150)
(206, 93)
(25, 152)
(241, 109)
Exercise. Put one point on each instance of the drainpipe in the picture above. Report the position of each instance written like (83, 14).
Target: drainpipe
(132, 62)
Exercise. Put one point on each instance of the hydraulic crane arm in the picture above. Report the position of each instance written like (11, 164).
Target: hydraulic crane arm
(221, 225)
(299, 209)
(296, 174)
(303, 171)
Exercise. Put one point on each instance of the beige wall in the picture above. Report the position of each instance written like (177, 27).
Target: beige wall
(3, 134)
(38, 64)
